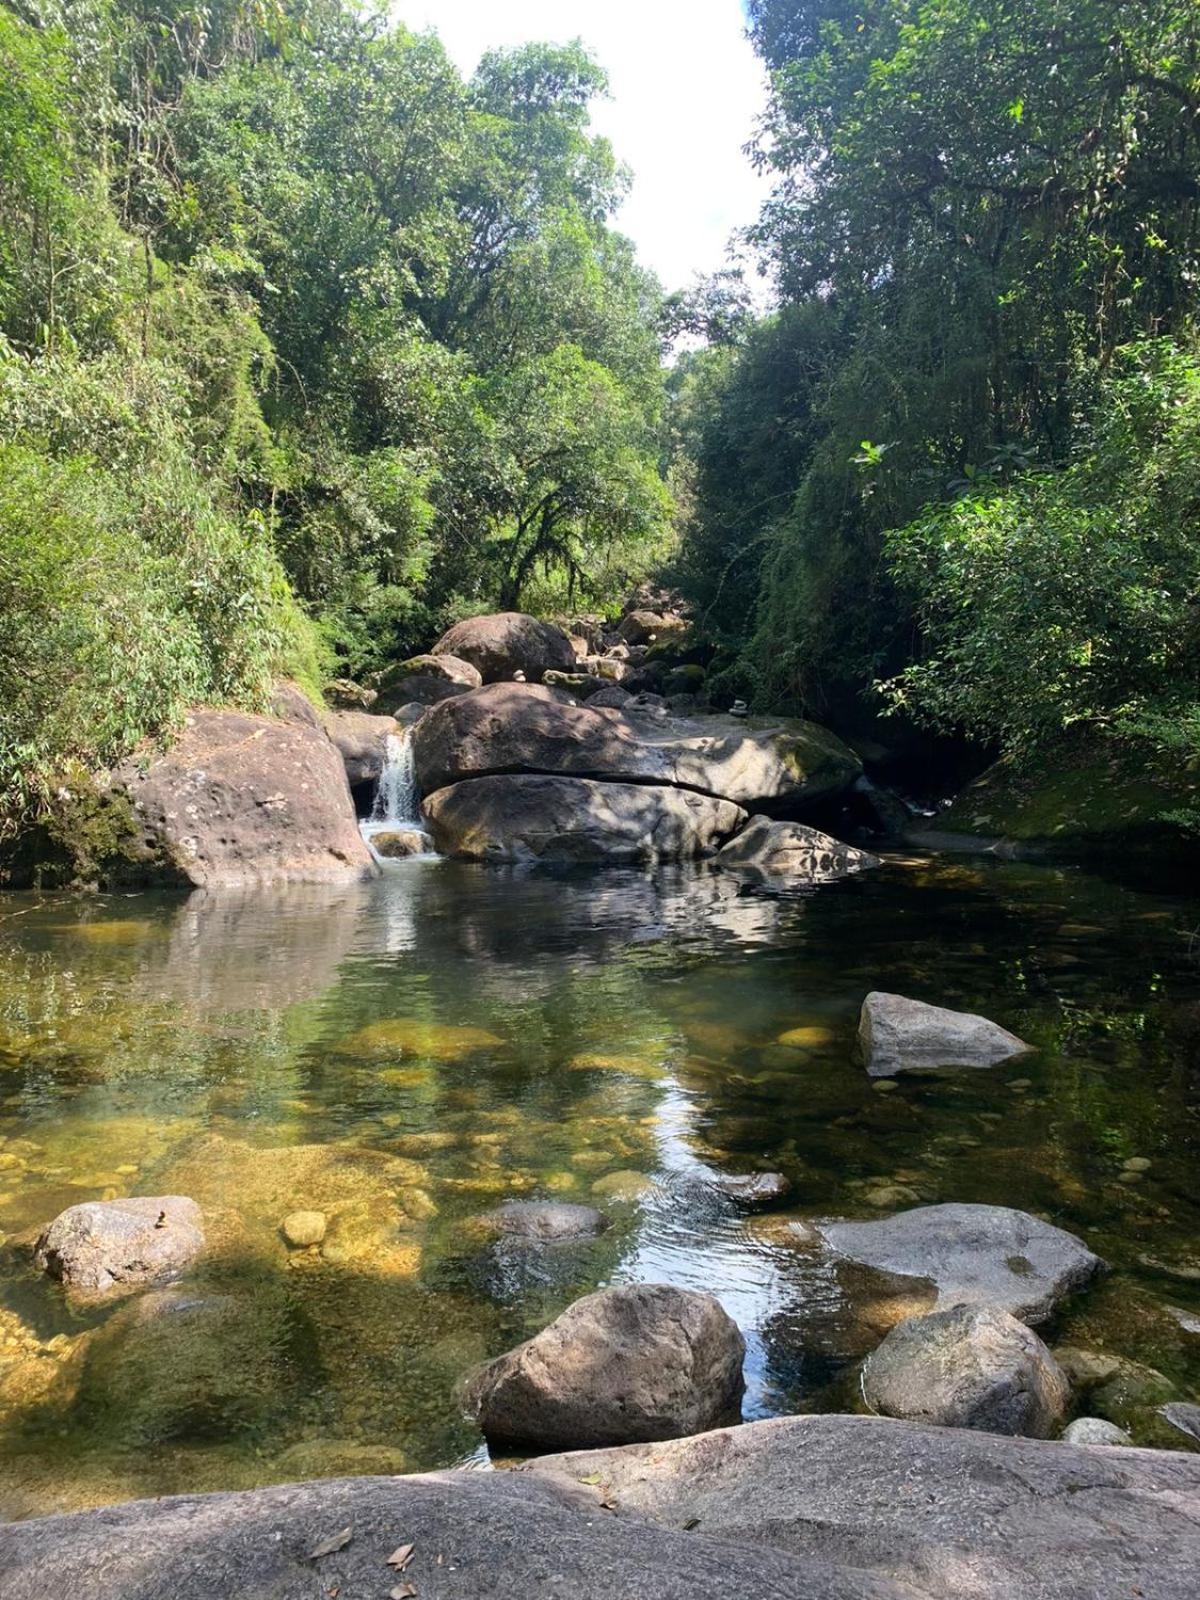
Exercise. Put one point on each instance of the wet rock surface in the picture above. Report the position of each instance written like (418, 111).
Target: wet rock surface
(360, 738)
(968, 1367)
(109, 1247)
(640, 1362)
(973, 1255)
(897, 1034)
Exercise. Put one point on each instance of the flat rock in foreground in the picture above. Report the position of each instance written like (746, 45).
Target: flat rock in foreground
(565, 820)
(950, 1514)
(973, 1255)
(897, 1034)
(500, 1536)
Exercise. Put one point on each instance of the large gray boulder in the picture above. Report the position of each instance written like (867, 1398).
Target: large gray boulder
(506, 728)
(948, 1513)
(968, 1367)
(528, 819)
(897, 1034)
(241, 800)
(507, 642)
(109, 1247)
(473, 1536)
(789, 855)
(360, 738)
(646, 1361)
(973, 1255)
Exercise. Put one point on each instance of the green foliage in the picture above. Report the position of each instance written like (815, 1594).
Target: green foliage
(985, 199)
(1072, 598)
(306, 346)
(126, 591)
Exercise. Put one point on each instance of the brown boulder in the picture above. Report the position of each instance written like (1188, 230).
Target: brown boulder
(108, 1247)
(506, 643)
(240, 799)
(646, 627)
(621, 1366)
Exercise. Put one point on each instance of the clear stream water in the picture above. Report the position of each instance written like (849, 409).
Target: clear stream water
(405, 1054)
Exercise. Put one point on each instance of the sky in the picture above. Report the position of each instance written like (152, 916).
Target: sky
(686, 92)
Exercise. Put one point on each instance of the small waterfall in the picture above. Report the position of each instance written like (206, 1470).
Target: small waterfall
(396, 809)
(396, 792)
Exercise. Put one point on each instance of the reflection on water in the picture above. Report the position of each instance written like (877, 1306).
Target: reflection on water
(404, 1054)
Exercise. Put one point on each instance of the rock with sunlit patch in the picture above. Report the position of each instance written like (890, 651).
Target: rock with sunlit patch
(644, 1361)
(897, 1034)
(110, 1247)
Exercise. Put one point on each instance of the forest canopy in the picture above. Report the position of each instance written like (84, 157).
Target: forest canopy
(307, 346)
(954, 472)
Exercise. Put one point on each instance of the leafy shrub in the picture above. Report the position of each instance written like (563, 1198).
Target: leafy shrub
(1071, 597)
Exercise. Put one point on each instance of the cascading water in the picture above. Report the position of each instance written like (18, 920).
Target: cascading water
(396, 809)
(396, 792)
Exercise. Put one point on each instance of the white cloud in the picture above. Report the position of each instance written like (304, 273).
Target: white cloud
(686, 91)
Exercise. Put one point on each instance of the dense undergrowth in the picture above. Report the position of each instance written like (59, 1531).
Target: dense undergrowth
(954, 474)
(306, 347)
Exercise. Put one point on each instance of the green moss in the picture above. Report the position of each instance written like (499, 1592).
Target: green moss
(86, 836)
(1081, 794)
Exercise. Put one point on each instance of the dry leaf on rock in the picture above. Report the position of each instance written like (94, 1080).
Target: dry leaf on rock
(335, 1541)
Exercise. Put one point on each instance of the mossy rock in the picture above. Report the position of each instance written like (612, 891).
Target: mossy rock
(1080, 797)
(87, 836)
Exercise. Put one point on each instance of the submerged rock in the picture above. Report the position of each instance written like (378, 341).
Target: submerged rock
(396, 844)
(108, 1247)
(641, 1362)
(304, 1228)
(973, 1255)
(564, 820)
(968, 1367)
(788, 855)
(545, 1220)
(753, 1190)
(508, 642)
(175, 1364)
(897, 1034)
